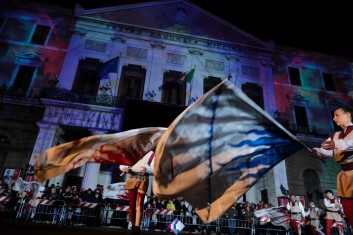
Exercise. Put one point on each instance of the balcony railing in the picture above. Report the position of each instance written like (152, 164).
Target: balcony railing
(66, 95)
(71, 96)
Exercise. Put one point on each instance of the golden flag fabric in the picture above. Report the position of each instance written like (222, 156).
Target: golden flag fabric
(120, 148)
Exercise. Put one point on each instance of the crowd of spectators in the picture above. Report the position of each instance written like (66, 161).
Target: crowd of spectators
(72, 197)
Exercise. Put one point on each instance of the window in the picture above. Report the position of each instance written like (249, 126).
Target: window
(264, 196)
(210, 82)
(301, 119)
(86, 81)
(173, 90)
(22, 81)
(254, 92)
(328, 81)
(40, 34)
(132, 81)
(312, 186)
(294, 76)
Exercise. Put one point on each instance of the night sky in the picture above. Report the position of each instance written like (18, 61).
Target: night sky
(323, 28)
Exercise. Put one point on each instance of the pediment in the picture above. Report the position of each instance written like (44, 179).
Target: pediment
(30, 55)
(175, 16)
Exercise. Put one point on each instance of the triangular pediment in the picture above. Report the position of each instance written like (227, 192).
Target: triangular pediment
(31, 55)
(175, 16)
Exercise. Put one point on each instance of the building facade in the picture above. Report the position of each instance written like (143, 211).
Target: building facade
(69, 73)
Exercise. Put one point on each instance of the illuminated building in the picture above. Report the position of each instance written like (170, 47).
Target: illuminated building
(51, 92)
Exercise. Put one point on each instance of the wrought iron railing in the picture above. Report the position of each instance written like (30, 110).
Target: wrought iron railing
(66, 95)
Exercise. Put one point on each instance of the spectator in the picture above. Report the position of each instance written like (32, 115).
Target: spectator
(147, 217)
(232, 216)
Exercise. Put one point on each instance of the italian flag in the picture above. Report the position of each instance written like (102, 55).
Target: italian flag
(187, 76)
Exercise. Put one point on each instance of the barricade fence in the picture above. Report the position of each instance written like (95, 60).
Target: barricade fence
(96, 214)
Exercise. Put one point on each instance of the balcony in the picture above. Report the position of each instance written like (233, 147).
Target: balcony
(66, 95)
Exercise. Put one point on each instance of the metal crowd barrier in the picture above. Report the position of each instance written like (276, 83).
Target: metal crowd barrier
(110, 214)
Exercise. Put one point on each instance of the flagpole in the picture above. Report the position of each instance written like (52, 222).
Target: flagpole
(190, 89)
(117, 76)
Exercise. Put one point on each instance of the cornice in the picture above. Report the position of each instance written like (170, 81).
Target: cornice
(167, 36)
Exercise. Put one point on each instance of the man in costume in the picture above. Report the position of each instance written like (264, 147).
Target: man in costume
(340, 146)
(314, 215)
(137, 181)
(333, 213)
(297, 213)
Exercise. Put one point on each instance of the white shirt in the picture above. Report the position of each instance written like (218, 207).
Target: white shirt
(143, 162)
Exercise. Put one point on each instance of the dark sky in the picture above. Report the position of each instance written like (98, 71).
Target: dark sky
(323, 28)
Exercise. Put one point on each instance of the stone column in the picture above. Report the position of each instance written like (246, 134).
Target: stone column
(47, 137)
(91, 176)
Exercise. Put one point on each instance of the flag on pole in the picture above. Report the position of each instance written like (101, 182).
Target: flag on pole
(217, 149)
(111, 66)
(176, 226)
(187, 76)
(125, 148)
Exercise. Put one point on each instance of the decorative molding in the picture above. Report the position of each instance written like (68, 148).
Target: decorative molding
(136, 52)
(157, 44)
(77, 31)
(296, 98)
(232, 57)
(87, 117)
(92, 45)
(195, 51)
(30, 55)
(250, 71)
(214, 65)
(175, 37)
(118, 38)
(176, 59)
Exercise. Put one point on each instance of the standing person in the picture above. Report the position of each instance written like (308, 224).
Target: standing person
(297, 213)
(333, 213)
(232, 216)
(340, 146)
(148, 216)
(314, 215)
(169, 218)
(137, 184)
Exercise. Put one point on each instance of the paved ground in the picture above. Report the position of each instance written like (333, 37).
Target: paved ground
(29, 228)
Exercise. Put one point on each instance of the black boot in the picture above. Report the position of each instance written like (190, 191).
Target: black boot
(134, 231)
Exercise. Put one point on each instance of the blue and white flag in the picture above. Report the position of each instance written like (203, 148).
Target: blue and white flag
(111, 66)
(217, 149)
(176, 226)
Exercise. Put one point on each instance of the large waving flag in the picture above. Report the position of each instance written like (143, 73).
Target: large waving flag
(120, 148)
(111, 66)
(217, 149)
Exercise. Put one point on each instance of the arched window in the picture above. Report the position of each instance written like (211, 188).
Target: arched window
(312, 187)
(132, 81)
(86, 80)
(173, 90)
